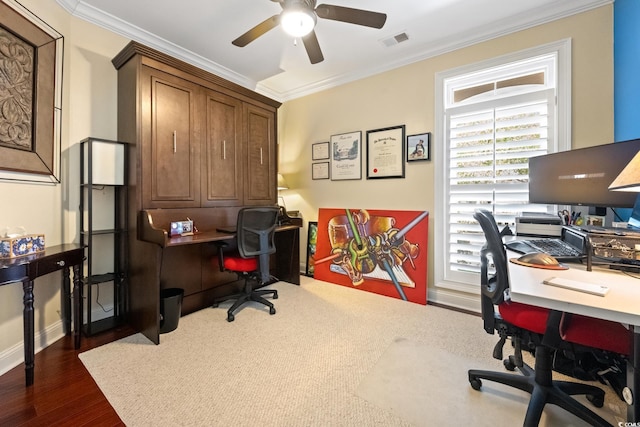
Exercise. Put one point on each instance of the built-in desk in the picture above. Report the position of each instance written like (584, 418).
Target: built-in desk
(187, 262)
(26, 269)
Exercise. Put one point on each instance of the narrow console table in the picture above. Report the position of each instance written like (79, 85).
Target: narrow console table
(26, 269)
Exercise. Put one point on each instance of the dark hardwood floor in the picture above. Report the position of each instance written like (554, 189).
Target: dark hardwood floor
(63, 393)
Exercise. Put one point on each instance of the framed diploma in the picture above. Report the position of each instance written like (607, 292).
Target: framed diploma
(320, 151)
(385, 153)
(346, 159)
(320, 170)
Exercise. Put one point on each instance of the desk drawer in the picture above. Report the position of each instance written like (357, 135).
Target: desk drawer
(55, 262)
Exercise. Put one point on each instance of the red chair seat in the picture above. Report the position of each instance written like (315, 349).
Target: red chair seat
(525, 316)
(237, 263)
(583, 330)
(598, 333)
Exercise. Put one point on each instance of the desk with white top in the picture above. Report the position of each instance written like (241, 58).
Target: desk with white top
(620, 304)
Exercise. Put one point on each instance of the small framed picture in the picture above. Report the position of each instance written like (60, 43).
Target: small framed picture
(419, 147)
(320, 151)
(320, 170)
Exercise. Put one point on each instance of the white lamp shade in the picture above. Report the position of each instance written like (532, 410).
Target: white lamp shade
(107, 166)
(629, 178)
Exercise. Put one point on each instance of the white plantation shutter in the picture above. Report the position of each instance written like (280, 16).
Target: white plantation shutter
(494, 116)
(489, 146)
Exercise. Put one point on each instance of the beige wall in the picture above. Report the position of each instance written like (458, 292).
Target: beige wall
(402, 96)
(406, 96)
(88, 109)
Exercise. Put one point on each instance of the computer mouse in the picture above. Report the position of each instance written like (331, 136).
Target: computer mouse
(539, 258)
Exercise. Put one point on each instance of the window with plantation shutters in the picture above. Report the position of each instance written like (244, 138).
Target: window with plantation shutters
(493, 120)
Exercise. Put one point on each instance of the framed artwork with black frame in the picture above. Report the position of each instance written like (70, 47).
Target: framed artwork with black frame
(320, 151)
(419, 147)
(312, 238)
(385, 153)
(320, 170)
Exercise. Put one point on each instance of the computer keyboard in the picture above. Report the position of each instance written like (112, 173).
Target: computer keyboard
(554, 247)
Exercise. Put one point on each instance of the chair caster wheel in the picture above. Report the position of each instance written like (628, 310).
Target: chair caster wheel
(509, 364)
(275, 296)
(476, 384)
(597, 401)
(230, 318)
(272, 310)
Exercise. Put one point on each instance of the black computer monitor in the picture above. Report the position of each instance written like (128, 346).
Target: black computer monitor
(582, 176)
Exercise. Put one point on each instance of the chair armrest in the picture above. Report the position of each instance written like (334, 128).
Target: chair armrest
(221, 245)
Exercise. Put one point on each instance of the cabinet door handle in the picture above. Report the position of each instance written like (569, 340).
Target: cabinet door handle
(224, 149)
(174, 141)
(260, 155)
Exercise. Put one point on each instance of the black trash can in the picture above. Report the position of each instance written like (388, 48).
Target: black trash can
(170, 308)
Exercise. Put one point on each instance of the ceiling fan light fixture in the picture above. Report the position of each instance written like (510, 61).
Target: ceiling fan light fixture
(298, 22)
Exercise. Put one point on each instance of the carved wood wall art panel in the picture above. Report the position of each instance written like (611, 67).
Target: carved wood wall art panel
(30, 95)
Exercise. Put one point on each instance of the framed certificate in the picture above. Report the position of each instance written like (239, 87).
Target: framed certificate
(320, 151)
(385, 153)
(320, 170)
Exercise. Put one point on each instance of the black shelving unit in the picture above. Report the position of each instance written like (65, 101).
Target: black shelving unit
(103, 229)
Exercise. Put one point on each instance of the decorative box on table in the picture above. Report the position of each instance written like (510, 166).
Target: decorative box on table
(12, 247)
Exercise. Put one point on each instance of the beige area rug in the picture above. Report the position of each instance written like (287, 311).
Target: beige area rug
(330, 356)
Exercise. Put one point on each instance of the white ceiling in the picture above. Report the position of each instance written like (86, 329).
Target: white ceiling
(200, 32)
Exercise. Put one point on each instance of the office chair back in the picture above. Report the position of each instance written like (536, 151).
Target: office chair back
(495, 285)
(255, 235)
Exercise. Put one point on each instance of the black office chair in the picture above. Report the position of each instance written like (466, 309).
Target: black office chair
(546, 333)
(255, 230)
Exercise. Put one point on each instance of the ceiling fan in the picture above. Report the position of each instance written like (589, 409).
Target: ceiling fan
(298, 18)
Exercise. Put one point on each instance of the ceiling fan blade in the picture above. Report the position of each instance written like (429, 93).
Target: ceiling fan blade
(313, 48)
(352, 16)
(257, 31)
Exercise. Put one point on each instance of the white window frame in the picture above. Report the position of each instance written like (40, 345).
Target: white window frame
(562, 141)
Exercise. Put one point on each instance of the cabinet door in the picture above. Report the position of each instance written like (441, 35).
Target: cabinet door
(171, 167)
(222, 182)
(260, 184)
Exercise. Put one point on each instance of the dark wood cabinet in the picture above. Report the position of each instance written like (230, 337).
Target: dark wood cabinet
(201, 147)
(261, 146)
(171, 146)
(223, 182)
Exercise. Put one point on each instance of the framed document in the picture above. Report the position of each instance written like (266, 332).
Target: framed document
(320, 151)
(385, 153)
(320, 170)
(346, 159)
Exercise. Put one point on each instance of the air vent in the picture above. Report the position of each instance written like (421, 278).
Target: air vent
(398, 38)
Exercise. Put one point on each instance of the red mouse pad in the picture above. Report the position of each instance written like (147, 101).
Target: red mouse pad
(545, 267)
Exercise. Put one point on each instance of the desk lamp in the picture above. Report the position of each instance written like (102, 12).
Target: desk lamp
(629, 178)
(282, 185)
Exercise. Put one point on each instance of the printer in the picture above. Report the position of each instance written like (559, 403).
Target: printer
(536, 224)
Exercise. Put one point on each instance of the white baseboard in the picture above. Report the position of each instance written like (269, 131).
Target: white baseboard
(454, 299)
(13, 356)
